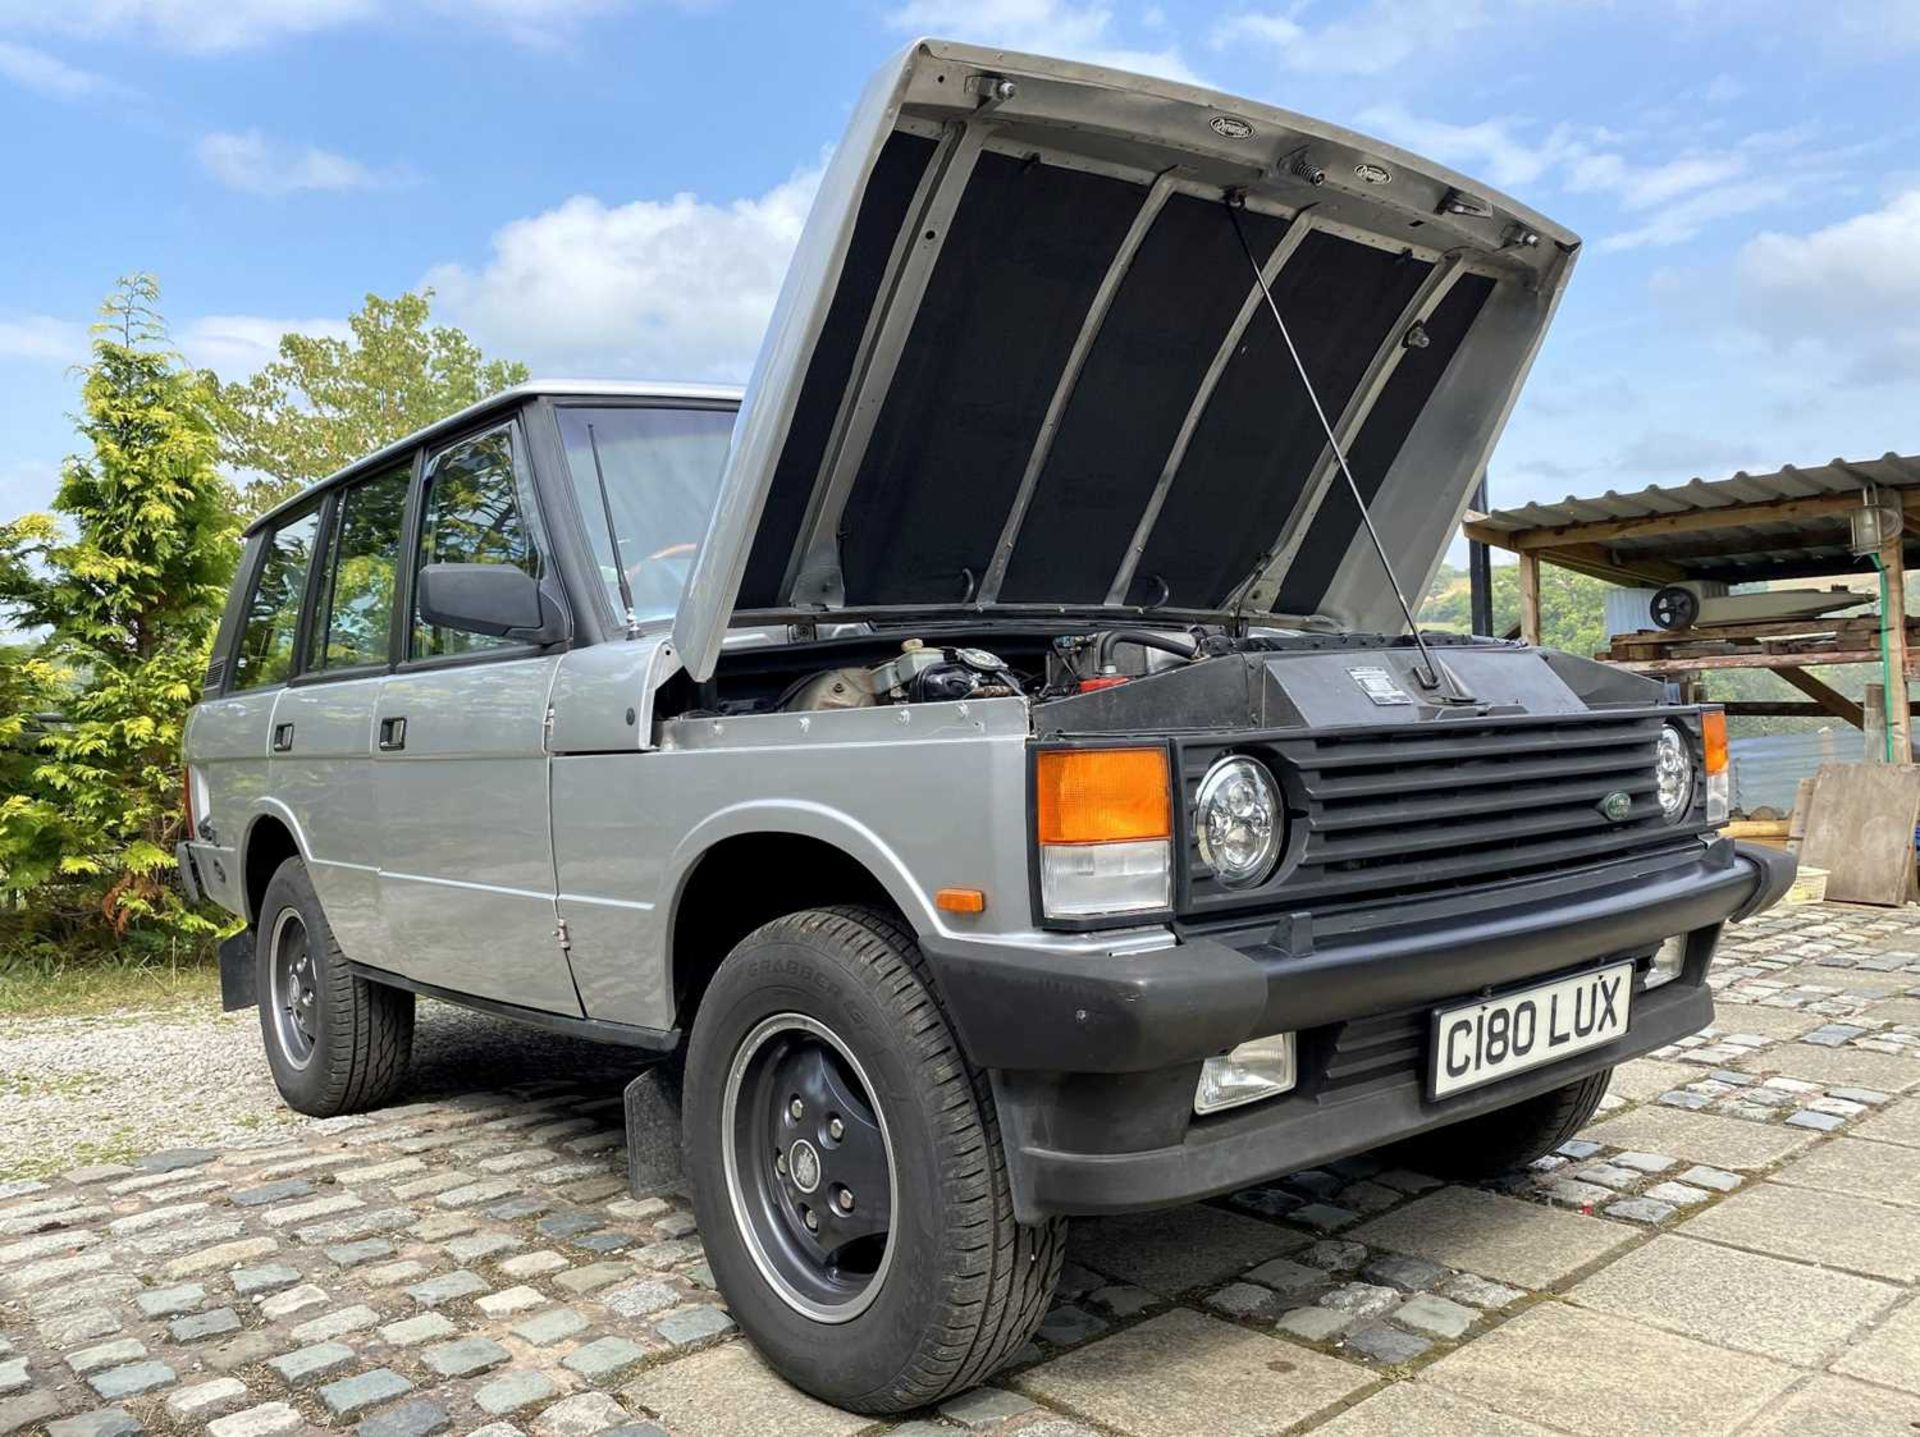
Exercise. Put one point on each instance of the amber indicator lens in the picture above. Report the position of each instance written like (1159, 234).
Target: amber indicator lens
(1102, 795)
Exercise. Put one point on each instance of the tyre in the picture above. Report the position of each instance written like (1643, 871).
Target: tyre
(847, 1170)
(1495, 1143)
(336, 1043)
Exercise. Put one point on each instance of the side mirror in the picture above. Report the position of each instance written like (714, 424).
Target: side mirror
(494, 599)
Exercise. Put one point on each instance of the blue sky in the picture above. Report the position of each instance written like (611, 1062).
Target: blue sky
(610, 187)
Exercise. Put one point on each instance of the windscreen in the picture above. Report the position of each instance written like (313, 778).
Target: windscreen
(661, 468)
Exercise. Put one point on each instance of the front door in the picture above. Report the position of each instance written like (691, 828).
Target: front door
(460, 758)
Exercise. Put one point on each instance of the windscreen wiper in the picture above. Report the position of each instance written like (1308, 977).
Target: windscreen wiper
(1429, 674)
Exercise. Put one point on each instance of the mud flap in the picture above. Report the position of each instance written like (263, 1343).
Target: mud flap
(237, 988)
(653, 1134)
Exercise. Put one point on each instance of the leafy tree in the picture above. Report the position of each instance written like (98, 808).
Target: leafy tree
(327, 402)
(1572, 606)
(125, 595)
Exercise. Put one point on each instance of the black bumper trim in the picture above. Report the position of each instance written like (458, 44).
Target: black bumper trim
(1026, 1010)
(1291, 1134)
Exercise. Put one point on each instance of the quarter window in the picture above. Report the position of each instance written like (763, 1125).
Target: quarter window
(273, 614)
(661, 469)
(473, 516)
(354, 618)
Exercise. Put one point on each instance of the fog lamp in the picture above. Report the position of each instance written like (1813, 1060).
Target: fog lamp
(1668, 959)
(1263, 1068)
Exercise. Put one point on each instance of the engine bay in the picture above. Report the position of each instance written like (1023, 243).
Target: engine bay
(865, 668)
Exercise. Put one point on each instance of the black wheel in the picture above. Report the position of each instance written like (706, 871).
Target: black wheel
(1675, 607)
(1495, 1143)
(336, 1043)
(847, 1170)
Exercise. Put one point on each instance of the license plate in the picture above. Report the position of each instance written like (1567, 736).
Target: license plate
(1482, 1042)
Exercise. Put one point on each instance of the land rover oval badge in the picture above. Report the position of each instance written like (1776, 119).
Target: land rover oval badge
(1616, 806)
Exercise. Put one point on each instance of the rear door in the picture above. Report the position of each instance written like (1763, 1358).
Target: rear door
(323, 722)
(460, 758)
(229, 737)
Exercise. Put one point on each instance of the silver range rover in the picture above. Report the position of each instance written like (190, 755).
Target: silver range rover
(986, 765)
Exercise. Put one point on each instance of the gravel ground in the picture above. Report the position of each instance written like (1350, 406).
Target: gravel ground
(108, 1087)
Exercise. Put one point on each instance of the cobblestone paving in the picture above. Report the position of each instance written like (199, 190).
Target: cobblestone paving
(1732, 1246)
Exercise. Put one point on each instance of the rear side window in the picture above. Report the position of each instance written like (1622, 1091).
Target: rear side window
(273, 612)
(473, 516)
(354, 616)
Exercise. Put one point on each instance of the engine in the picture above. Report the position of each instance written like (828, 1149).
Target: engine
(918, 674)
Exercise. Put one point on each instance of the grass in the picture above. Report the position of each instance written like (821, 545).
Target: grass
(39, 987)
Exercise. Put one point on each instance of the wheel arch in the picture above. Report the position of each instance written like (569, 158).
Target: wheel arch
(272, 837)
(751, 865)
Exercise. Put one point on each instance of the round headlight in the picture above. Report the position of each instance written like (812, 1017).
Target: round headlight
(1673, 773)
(1238, 821)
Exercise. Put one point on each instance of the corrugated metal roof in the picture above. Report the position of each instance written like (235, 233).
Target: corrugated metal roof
(1773, 550)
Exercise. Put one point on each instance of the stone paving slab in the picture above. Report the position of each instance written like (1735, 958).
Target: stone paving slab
(1496, 1236)
(1882, 1171)
(1173, 1251)
(1891, 1354)
(727, 1392)
(1702, 1137)
(1852, 1233)
(1591, 1372)
(1767, 1022)
(1837, 1407)
(1422, 1409)
(1738, 1299)
(1646, 1078)
(1856, 1067)
(1897, 1123)
(1182, 1373)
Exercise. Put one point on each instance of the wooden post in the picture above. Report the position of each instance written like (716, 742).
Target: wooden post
(1894, 618)
(1529, 597)
(1873, 703)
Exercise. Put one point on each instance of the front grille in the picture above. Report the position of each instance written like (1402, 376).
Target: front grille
(1414, 809)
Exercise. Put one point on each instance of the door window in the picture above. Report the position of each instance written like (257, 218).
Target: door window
(661, 469)
(473, 515)
(354, 616)
(273, 613)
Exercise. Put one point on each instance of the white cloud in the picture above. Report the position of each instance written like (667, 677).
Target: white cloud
(1669, 201)
(1065, 29)
(1490, 148)
(1850, 290)
(1376, 37)
(44, 74)
(255, 164)
(213, 26)
(43, 337)
(234, 345)
(678, 288)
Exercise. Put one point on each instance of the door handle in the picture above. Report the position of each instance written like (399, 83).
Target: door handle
(393, 734)
(283, 738)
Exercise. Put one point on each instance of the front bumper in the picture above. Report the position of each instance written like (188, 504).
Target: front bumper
(1094, 1059)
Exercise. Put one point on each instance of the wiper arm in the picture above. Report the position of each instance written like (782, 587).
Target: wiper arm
(1429, 674)
(613, 535)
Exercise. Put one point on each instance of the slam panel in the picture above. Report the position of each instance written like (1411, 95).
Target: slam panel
(1378, 444)
(896, 174)
(1258, 441)
(1021, 262)
(1180, 295)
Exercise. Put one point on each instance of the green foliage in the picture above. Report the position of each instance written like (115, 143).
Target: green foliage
(1572, 606)
(126, 594)
(327, 402)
